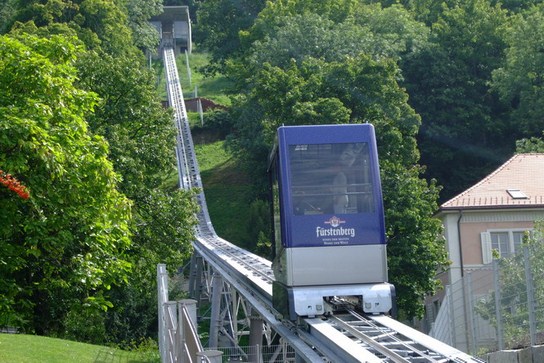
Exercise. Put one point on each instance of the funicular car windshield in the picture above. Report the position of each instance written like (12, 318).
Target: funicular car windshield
(330, 178)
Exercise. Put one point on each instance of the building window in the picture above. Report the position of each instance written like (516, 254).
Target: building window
(506, 242)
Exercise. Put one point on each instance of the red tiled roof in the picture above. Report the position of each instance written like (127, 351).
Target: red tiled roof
(523, 173)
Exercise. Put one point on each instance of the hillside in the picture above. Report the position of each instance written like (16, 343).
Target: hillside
(226, 187)
(227, 191)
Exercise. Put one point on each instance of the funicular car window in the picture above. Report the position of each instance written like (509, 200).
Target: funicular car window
(330, 178)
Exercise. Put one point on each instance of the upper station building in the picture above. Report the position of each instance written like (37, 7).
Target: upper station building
(174, 27)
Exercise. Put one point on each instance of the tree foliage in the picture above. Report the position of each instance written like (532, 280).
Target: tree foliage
(131, 118)
(220, 21)
(138, 128)
(464, 132)
(530, 145)
(139, 12)
(109, 72)
(99, 24)
(7, 12)
(517, 6)
(66, 245)
(520, 81)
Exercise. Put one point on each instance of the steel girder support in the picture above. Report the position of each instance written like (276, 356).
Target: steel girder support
(231, 317)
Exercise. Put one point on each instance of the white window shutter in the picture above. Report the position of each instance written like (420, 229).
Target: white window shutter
(487, 255)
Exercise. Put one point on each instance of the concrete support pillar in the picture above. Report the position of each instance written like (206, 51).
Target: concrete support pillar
(255, 339)
(195, 277)
(215, 318)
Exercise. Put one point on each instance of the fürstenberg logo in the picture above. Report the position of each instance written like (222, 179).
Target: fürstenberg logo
(335, 230)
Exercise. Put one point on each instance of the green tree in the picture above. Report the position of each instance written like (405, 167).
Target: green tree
(332, 29)
(427, 11)
(99, 24)
(530, 145)
(368, 30)
(139, 12)
(259, 228)
(517, 5)
(415, 249)
(520, 81)
(130, 117)
(66, 245)
(7, 12)
(287, 76)
(141, 136)
(464, 132)
(163, 228)
(218, 25)
(271, 17)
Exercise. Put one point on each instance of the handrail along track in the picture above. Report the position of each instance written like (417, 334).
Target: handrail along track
(348, 337)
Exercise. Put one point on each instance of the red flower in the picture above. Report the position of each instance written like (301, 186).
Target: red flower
(14, 185)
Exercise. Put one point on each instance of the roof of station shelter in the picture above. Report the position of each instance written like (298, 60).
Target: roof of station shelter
(173, 13)
(518, 183)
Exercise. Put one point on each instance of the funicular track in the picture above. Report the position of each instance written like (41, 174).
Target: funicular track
(345, 337)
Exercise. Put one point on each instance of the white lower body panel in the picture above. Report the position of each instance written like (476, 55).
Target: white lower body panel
(339, 265)
(305, 276)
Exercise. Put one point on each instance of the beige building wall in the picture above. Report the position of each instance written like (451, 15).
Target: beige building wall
(471, 241)
(462, 231)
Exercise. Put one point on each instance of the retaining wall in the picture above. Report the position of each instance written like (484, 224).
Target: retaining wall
(526, 355)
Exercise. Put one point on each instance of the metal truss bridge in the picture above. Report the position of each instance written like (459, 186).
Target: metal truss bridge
(239, 286)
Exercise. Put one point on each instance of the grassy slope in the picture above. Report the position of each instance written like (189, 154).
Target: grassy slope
(212, 88)
(226, 188)
(209, 87)
(227, 191)
(20, 348)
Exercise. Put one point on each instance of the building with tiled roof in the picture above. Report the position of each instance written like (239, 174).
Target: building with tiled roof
(494, 214)
(519, 182)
